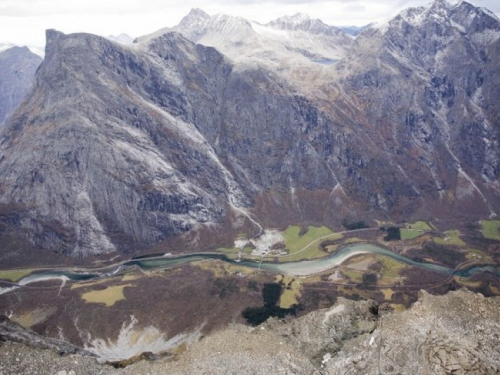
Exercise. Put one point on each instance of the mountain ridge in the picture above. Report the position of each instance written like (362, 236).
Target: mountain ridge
(165, 136)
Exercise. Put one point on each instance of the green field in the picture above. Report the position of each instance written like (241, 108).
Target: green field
(353, 275)
(413, 230)
(14, 275)
(409, 234)
(491, 229)
(419, 225)
(390, 267)
(289, 297)
(452, 238)
(294, 242)
(307, 245)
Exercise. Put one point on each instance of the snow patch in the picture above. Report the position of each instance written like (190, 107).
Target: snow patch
(133, 341)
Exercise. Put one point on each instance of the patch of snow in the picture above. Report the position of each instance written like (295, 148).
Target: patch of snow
(133, 341)
(269, 31)
(458, 27)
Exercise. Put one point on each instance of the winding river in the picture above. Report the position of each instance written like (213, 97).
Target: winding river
(299, 268)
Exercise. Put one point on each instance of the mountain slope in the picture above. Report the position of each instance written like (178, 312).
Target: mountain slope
(428, 82)
(17, 71)
(133, 145)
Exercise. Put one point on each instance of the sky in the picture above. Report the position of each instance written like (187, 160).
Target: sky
(24, 22)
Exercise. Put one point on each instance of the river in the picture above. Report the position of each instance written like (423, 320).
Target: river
(300, 268)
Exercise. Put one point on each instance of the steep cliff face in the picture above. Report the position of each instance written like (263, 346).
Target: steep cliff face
(425, 82)
(111, 154)
(131, 145)
(17, 72)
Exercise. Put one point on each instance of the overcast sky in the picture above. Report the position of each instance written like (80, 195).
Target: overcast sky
(24, 22)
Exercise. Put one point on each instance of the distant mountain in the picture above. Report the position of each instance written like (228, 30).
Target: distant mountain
(355, 30)
(36, 50)
(17, 72)
(132, 146)
(302, 22)
(297, 37)
(122, 39)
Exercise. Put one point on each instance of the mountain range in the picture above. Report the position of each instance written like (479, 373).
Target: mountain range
(225, 125)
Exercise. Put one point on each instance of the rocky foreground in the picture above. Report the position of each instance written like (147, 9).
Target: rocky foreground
(453, 334)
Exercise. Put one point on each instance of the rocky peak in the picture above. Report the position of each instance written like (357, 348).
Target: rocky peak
(195, 19)
(197, 13)
(303, 22)
(17, 71)
(475, 20)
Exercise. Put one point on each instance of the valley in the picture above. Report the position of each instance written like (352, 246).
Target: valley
(356, 263)
(284, 181)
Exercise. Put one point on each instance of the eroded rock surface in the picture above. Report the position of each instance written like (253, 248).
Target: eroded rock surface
(456, 333)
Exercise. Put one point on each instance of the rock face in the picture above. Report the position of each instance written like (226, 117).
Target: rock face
(17, 72)
(426, 81)
(131, 145)
(10, 331)
(452, 334)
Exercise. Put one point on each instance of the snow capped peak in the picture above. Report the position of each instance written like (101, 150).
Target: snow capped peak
(303, 22)
(437, 11)
(294, 22)
(440, 4)
(296, 19)
(226, 24)
(195, 18)
(122, 38)
(442, 20)
(197, 12)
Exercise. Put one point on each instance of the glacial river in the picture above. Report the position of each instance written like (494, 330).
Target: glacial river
(300, 268)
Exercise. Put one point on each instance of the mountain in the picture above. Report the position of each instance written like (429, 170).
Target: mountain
(296, 38)
(302, 22)
(122, 38)
(130, 146)
(428, 83)
(355, 30)
(17, 71)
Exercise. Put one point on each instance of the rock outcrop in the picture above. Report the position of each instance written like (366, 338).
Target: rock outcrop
(452, 334)
(13, 332)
